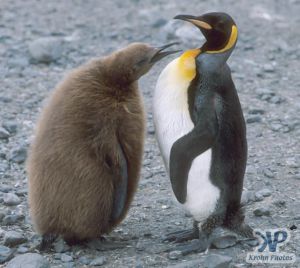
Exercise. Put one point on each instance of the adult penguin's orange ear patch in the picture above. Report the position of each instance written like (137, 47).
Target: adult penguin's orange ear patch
(187, 64)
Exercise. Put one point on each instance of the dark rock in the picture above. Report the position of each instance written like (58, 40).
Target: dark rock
(276, 99)
(18, 155)
(46, 49)
(13, 238)
(5, 254)
(4, 134)
(98, 261)
(221, 238)
(217, 261)
(256, 111)
(262, 211)
(11, 199)
(28, 260)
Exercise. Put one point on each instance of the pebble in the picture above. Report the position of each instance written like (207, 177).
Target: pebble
(5, 188)
(98, 261)
(253, 119)
(29, 260)
(222, 238)
(13, 238)
(262, 211)
(174, 255)
(2, 215)
(11, 126)
(12, 219)
(264, 192)
(268, 173)
(84, 260)
(5, 254)
(60, 246)
(247, 197)
(217, 261)
(18, 155)
(66, 258)
(256, 111)
(46, 49)
(11, 199)
(4, 134)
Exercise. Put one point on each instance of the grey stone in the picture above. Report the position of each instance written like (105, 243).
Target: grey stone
(217, 261)
(5, 188)
(84, 260)
(258, 197)
(247, 197)
(276, 99)
(60, 246)
(13, 238)
(265, 192)
(159, 23)
(46, 49)
(268, 173)
(269, 68)
(11, 126)
(12, 219)
(28, 260)
(2, 215)
(256, 111)
(262, 211)
(66, 258)
(221, 238)
(23, 249)
(98, 261)
(4, 134)
(18, 155)
(264, 91)
(175, 255)
(253, 119)
(5, 254)
(11, 199)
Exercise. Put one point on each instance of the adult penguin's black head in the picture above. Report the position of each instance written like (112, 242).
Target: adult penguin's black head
(218, 28)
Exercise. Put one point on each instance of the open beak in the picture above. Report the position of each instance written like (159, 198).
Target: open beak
(160, 53)
(197, 21)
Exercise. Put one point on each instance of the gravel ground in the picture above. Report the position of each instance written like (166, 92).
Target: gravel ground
(41, 40)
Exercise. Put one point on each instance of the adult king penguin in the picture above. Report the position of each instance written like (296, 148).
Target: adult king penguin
(201, 132)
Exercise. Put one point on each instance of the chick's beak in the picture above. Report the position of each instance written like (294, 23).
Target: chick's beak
(197, 21)
(160, 53)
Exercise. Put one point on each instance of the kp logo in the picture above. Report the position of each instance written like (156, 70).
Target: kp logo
(268, 249)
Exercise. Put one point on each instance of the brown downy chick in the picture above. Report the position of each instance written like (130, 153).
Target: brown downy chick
(85, 160)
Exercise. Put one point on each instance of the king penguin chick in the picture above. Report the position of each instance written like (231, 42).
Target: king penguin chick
(85, 160)
(201, 132)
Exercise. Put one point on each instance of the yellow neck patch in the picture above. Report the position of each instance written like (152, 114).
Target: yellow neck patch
(231, 41)
(187, 64)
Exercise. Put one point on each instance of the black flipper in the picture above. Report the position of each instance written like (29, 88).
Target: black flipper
(120, 185)
(188, 147)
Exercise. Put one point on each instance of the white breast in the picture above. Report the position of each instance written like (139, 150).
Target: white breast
(172, 121)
